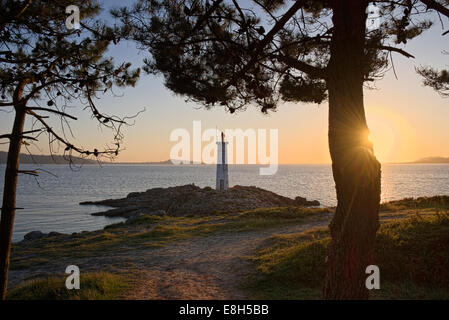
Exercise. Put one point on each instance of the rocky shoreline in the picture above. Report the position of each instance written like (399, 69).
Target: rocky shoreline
(191, 199)
(187, 200)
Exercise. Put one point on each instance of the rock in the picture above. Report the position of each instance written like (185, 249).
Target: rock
(303, 202)
(132, 218)
(133, 195)
(157, 213)
(300, 201)
(191, 199)
(119, 212)
(153, 213)
(314, 203)
(55, 234)
(34, 235)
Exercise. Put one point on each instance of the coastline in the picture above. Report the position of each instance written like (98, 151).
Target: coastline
(219, 256)
(53, 204)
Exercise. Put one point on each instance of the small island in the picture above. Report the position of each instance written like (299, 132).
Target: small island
(191, 199)
(433, 160)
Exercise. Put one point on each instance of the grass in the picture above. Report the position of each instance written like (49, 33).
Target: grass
(153, 231)
(290, 266)
(93, 286)
(436, 202)
(412, 254)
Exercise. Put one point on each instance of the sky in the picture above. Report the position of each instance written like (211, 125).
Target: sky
(407, 121)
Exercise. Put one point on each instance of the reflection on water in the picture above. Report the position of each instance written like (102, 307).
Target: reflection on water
(51, 203)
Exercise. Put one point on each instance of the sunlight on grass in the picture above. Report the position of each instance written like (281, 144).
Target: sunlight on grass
(93, 286)
(412, 254)
(155, 231)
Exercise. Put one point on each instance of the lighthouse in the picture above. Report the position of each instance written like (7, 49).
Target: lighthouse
(222, 164)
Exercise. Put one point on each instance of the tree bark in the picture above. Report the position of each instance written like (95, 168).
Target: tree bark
(10, 188)
(356, 171)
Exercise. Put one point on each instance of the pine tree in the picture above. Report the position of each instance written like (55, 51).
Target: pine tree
(260, 52)
(45, 65)
(436, 79)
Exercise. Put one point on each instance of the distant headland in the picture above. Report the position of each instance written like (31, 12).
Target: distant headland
(58, 159)
(432, 160)
(45, 159)
(166, 162)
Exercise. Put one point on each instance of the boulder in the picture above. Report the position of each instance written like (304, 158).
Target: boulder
(300, 201)
(314, 203)
(132, 218)
(34, 235)
(157, 213)
(55, 234)
(303, 202)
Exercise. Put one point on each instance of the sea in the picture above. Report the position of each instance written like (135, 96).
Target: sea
(50, 202)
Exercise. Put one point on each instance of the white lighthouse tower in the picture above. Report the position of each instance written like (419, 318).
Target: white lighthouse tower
(222, 164)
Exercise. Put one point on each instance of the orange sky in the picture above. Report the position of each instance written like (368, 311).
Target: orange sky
(407, 120)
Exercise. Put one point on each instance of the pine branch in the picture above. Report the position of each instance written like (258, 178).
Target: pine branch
(53, 111)
(432, 4)
(267, 39)
(311, 71)
(394, 49)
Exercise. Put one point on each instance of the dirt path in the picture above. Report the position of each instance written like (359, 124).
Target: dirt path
(206, 267)
(209, 267)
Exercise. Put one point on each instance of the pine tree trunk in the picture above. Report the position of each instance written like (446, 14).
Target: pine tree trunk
(356, 171)
(9, 191)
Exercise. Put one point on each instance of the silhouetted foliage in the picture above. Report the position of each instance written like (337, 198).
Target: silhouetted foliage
(436, 79)
(220, 53)
(44, 69)
(239, 53)
(56, 66)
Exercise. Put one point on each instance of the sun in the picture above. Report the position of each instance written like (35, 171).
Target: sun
(388, 132)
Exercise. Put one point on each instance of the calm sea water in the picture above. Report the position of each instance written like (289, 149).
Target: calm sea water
(51, 202)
